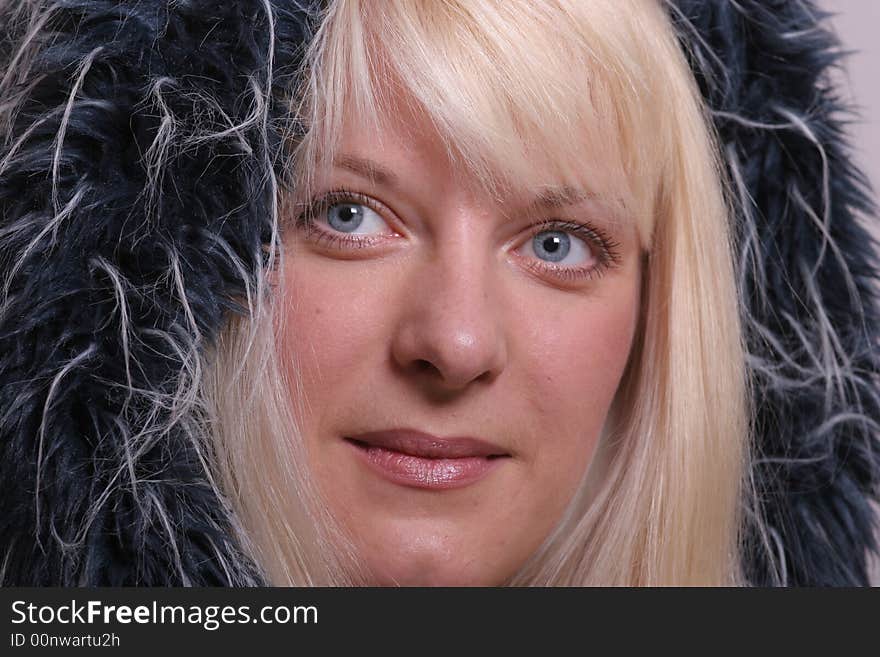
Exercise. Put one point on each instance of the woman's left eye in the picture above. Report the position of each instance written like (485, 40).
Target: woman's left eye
(561, 248)
(568, 251)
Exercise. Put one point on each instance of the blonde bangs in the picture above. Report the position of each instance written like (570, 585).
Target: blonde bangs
(504, 85)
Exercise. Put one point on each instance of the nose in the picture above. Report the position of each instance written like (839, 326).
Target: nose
(451, 333)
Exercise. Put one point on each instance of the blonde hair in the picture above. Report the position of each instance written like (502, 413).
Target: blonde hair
(498, 81)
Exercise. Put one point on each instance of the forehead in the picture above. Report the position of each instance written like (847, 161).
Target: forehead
(405, 145)
(418, 170)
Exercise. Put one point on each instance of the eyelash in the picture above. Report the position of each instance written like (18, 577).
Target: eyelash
(606, 248)
(306, 219)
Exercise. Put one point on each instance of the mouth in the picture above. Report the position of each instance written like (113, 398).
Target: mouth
(415, 459)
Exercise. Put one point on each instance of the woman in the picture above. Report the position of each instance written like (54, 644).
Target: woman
(430, 293)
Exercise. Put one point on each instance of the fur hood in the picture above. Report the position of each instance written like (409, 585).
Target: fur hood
(109, 290)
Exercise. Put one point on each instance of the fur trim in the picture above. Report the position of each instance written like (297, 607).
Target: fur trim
(139, 148)
(136, 191)
(808, 273)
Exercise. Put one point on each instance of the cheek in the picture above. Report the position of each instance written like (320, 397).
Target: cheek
(322, 347)
(579, 355)
(321, 344)
(573, 357)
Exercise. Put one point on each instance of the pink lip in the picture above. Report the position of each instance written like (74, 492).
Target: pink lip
(420, 460)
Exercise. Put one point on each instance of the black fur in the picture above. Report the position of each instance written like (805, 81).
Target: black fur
(203, 61)
(201, 69)
(764, 62)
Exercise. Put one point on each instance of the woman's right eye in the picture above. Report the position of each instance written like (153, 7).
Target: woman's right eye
(354, 219)
(344, 219)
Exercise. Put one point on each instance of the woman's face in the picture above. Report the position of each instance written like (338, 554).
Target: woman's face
(458, 353)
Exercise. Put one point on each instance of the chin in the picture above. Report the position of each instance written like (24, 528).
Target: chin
(433, 569)
(434, 577)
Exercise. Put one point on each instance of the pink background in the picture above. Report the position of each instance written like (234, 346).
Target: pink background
(857, 23)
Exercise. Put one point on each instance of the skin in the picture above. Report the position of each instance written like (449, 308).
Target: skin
(448, 324)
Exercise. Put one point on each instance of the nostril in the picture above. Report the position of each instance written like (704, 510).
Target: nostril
(442, 356)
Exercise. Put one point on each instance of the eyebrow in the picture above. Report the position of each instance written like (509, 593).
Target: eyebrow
(557, 197)
(548, 199)
(367, 169)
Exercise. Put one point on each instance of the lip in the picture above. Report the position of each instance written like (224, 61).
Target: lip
(420, 460)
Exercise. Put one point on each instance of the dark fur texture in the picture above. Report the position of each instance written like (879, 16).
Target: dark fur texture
(113, 290)
(809, 276)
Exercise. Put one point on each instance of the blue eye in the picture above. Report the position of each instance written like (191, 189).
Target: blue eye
(345, 217)
(355, 218)
(559, 247)
(551, 245)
